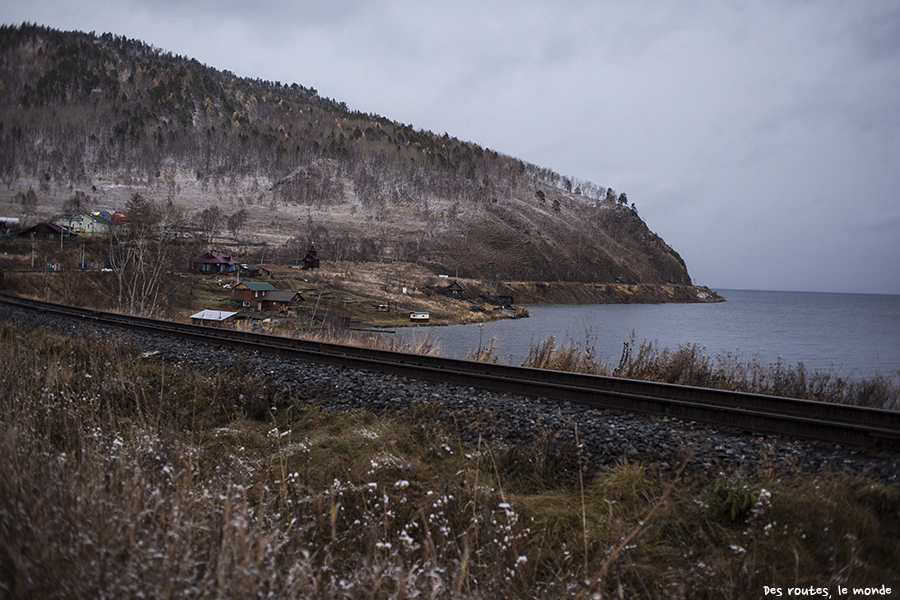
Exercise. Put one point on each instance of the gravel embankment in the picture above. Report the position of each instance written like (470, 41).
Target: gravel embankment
(481, 417)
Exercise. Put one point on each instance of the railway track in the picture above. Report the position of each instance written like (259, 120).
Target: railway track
(751, 413)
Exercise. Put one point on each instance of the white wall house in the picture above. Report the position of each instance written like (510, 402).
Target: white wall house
(85, 222)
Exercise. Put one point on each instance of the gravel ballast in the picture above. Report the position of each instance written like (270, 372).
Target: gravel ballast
(485, 417)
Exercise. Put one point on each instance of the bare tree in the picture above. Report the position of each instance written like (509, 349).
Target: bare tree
(237, 221)
(75, 204)
(139, 256)
(208, 221)
(29, 202)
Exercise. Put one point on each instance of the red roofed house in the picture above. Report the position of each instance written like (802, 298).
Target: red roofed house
(215, 262)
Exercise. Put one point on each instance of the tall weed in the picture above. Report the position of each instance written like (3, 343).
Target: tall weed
(689, 365)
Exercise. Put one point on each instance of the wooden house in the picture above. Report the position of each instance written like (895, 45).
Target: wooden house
(116, 221)
(509, 312)
(277, 301)
(419, 317)
(85, 222)
(311, 260)
(116, 218)
(248, 291)
(249, 270)
(215, 262)
(455, 289)
(46, 231)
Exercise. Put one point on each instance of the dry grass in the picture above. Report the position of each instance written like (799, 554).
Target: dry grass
(122, 477)
(689, 365)
(419, 343)
(484, 352)
(570, 357)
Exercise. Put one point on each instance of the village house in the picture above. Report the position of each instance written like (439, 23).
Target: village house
(45, 231)
(311, 260)
(247, 291)
(215, 262)
(277, 301)
(249, 270)
(85, 222)
(115, 221)
(455, 289)
(116, 218)
(253, 271)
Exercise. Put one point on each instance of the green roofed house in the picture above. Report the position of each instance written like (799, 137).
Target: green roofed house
(85, 222)
(247, 291)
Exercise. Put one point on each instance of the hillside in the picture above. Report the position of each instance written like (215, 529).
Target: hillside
(87, 121)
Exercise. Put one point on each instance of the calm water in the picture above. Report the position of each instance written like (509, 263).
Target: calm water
(852, 334)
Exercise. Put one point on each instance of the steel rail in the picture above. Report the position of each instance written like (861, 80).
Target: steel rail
(754, 413)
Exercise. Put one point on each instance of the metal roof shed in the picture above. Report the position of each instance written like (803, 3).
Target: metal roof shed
(211, 317)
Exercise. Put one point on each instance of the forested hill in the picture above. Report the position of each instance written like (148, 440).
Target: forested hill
(97, 117)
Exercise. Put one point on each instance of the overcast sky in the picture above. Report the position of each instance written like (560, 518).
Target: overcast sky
(760, 139)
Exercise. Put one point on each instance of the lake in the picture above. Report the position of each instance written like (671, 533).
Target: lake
(854, 335)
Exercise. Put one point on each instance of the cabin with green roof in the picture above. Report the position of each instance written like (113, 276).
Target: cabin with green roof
(247, 291)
